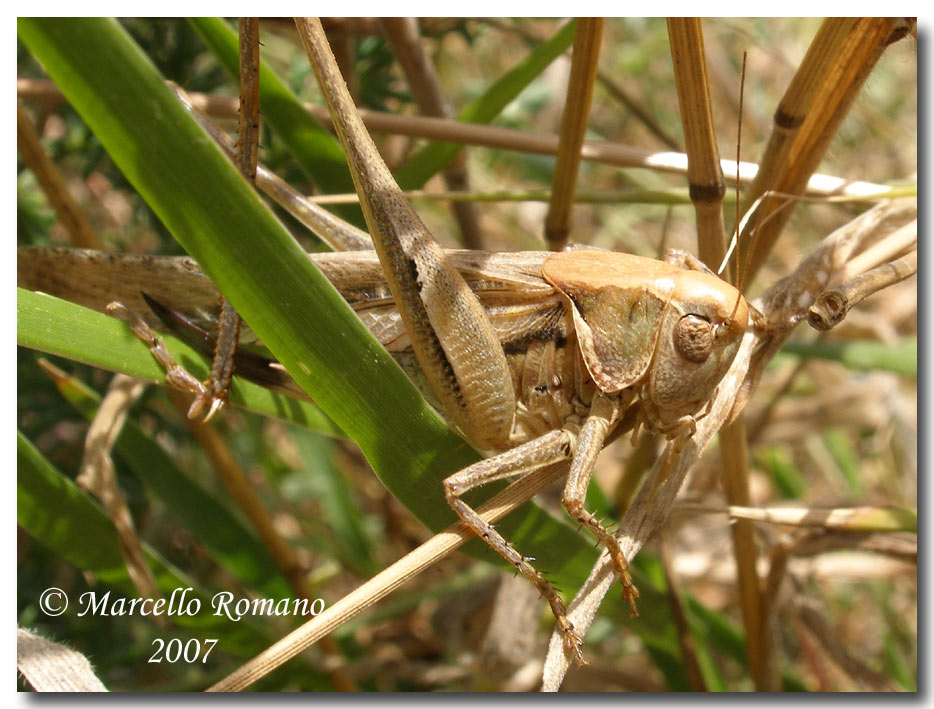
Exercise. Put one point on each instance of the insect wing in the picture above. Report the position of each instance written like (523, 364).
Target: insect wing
(95, 278)
(618, 304)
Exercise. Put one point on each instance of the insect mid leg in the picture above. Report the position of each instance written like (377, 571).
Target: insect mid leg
(589, 444)
(205, 393)
(549, 448)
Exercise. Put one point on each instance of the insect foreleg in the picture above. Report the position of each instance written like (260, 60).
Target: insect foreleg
(590, 442)
(550, 448)
(175, 375)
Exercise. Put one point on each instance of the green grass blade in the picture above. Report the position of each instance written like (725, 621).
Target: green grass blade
(722, 633)
(51, 508)
(901, 358)
(230, 543)
(342, 516)
(223, 224)
(435, 156)
(55, 326)
(788, 480)
(840, 445)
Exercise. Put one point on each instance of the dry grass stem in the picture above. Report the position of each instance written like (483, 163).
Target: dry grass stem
(99, 477)
(587, 35)
(679, 615)
(861, 519)
(902, 546)
(705, 176)
(734, 454)
(672, 196)
(814, 622)
(385, 582)
(825, 86)
(248, 123)
(403, 34)
(27, 140)
(794, 105)
(604, 152)
(887, 248)
(707, 188)
(53, 667)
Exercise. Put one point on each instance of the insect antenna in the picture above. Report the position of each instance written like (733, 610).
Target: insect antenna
(737, 274)
(740, 269)
(739, 146)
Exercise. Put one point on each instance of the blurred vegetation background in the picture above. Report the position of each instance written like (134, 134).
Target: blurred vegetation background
(838, 433)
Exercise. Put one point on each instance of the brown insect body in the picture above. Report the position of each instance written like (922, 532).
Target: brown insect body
(665, 331)
(577, 322)
(570, 324)
(534, 357)
(582, 334)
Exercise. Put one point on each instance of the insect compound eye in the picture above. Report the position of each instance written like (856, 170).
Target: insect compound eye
(694, 338)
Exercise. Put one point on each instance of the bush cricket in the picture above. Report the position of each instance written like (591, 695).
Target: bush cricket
(575, 376)
(533, 357)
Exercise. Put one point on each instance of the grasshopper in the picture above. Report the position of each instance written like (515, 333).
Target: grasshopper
(533, 357)
(626, 329)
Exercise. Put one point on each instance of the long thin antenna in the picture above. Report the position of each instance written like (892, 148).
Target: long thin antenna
(739, 143)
